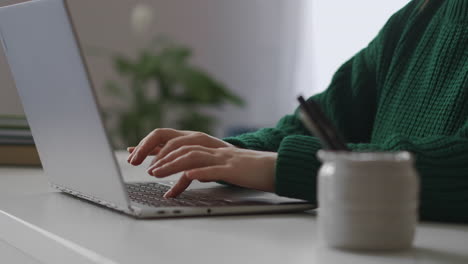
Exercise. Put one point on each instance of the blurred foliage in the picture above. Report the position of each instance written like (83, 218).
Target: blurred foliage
(163, 81)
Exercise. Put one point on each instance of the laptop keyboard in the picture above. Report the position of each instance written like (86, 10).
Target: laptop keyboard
(151, 194)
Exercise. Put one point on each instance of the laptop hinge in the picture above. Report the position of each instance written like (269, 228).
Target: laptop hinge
(95, 199)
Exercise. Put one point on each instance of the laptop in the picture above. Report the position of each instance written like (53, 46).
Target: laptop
(43, 52)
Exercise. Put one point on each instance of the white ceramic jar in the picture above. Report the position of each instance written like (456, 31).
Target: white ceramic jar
(367, 201)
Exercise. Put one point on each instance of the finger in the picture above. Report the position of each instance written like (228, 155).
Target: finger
(131, 149)
(152, 134)
(192, 160)
(182, 184)
(175, 154)
(208, 174)
(197, 138)
(149, 143)
(155, 159)
(152, 153)
(153, 137)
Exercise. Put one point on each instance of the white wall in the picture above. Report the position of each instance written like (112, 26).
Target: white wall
(333, 31)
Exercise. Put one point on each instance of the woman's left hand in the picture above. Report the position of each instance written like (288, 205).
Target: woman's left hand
(242, 167)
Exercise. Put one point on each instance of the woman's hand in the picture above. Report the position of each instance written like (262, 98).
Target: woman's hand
(162, 141)
(204, 158)
(242, 167)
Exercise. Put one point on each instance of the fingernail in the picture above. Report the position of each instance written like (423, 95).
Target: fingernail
(167, 194)
(134, 159)
(156, 164)
(150, 172)
(155, 172)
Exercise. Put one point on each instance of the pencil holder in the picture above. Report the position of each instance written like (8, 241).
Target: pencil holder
(367, 201)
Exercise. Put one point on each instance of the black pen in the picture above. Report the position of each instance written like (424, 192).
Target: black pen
(318, 124)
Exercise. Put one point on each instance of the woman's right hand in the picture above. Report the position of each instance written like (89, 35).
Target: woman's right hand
(163, 141)
(204, 158)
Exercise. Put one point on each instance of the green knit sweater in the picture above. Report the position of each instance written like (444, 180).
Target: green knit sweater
(408, 90)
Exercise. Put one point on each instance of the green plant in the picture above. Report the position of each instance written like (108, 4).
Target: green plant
(161, 81)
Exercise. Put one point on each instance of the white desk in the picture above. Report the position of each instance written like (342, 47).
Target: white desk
(38, 225)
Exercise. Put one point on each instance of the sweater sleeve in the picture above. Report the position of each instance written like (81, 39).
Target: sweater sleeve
(350, 96)
(441, 162)
(269, 139)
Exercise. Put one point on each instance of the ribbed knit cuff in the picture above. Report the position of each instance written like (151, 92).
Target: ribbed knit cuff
(265, 139)
(297, 166)
(248, 141)
(235, 141)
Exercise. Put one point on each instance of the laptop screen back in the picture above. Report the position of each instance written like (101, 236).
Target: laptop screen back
(54, 87)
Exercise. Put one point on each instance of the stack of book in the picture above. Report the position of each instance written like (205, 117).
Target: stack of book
(16, 142)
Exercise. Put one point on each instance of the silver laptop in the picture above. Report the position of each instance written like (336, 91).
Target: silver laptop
(42, 50)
